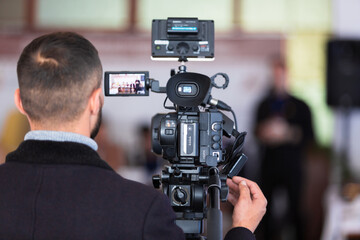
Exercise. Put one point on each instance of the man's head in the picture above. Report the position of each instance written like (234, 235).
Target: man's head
(58, 75)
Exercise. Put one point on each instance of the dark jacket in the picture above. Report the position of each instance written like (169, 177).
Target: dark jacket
(63, 190)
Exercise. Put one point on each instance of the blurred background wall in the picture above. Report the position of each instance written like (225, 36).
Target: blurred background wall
(247, 34)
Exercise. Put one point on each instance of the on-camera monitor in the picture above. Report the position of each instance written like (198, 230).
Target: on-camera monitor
(182, 39)
(126, 83)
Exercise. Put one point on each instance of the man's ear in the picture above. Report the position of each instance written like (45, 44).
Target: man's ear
(96, 101)
(18, 102)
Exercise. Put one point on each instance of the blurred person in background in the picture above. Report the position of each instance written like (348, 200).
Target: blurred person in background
(284, 130)
(114, 154)
(13, 132)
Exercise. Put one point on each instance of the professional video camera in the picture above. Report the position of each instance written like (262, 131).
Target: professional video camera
(191, 138)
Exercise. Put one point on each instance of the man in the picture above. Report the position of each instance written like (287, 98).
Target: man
(55, 185)
(284, 130)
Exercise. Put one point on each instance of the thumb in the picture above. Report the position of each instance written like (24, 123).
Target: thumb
(244, 191)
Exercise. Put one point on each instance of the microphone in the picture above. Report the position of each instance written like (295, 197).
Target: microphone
(219, 104)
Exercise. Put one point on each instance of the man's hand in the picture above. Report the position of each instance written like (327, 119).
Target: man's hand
(249, 202)
(276, 131)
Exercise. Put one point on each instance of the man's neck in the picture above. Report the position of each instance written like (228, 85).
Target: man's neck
(76, 127)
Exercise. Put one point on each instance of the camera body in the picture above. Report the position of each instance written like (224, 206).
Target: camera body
(189, 137)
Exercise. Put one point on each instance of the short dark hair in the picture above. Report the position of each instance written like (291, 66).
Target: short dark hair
(57, 73)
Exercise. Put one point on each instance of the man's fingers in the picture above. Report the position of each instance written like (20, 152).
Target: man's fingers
(255, 190)
(256, 193)
(233, 192)
(244, 191)
(238, 187)
(232, 185)
(258, 198)
(232, 199)
(238, 179)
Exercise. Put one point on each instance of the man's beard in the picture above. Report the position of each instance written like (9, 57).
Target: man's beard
(96, 128)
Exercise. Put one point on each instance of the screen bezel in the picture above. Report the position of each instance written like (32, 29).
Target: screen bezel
(107, 83)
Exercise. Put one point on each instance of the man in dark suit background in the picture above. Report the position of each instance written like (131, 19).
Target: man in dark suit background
(284, 131)
(55, 185)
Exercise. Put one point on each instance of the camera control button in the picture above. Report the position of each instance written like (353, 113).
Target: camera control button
(170, 48)
(216, 138)
(216, 127)
(215, 146)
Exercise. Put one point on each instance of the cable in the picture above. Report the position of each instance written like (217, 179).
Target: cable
(167, 107)
(238, 145)
(235, 121)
